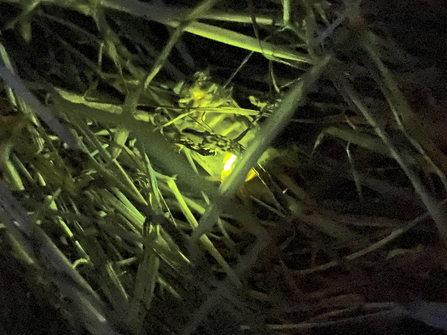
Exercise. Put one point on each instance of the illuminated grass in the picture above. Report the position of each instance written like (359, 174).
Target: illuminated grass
(164, 198)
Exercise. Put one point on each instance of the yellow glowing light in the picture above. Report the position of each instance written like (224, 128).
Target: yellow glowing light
(229, 160)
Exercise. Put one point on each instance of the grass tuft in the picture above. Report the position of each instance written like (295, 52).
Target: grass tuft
(218, 168)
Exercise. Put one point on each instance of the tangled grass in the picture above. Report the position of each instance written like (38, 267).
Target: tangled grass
(116, 124)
